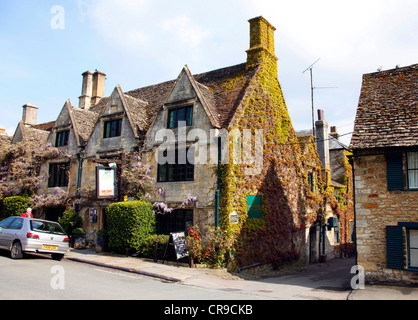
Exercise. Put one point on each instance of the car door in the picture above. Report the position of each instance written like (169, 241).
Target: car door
(3, 228)
(12, 232)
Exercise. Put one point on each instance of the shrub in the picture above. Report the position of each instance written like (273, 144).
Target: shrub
(101, 233)
(15, 206)
(216, 250)
(79, 231)
(147, 247)
(70, 220)
(129, 223)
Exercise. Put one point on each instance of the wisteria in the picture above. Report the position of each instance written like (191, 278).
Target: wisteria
(189, 200)
(20, 167)
(57, 197)
(136, 177)
(162, 208)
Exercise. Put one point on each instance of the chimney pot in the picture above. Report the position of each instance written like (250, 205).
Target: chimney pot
(321, 116)
(334, 133)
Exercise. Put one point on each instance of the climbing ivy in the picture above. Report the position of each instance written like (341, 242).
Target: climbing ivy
(289, 205)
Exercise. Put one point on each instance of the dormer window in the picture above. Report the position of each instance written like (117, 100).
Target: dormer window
(112, 128)
(62, 138)
(176, 115)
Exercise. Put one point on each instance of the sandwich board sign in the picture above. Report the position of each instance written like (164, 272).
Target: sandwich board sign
(178, 241)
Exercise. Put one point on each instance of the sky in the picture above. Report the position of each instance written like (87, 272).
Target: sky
(46, 45)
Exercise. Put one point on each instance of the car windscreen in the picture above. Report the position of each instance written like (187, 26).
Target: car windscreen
(46, 227)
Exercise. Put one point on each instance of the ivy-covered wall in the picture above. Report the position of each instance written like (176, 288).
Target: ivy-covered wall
(289, 206)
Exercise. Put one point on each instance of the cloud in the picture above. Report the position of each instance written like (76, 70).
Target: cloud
(360, 32)
(121, 23)
(182, 28)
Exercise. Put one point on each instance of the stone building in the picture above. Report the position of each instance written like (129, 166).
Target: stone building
(223, 137)
(385, 160)
(332, 168)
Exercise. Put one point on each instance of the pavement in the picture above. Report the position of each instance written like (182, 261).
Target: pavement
(325, 281)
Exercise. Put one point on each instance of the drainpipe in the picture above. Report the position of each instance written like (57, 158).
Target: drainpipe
(218, 186)
(351, 161)
(80, 168)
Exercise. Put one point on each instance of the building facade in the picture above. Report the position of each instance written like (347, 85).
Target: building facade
(385, 162)
(223, 138)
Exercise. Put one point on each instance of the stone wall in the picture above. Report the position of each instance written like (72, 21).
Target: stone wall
(376, 208)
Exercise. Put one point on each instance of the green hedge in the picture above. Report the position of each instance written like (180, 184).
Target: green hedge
(128, 224)
(15, 206)
(147, 247)
(70, 220)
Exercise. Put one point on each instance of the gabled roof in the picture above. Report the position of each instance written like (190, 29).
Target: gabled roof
(220, 92)
(387, 113)
(30, 135)
(83, 123)
(136, 111)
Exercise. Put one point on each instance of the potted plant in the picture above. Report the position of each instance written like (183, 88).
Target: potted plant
(79, 236)
(101, 240)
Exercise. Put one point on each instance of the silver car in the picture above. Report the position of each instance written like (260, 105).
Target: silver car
(19, 235)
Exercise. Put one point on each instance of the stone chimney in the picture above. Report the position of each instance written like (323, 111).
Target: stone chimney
(99, 79)
(321, 138)
(30, 114)
(261, 42)
(334, 133)
(86, 90)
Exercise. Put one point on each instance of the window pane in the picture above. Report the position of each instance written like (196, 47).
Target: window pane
(6, 222)
(413, 239)
(172, 115)
(171, 172)
(181, 115)
(162, 172)
(16, 224)
(181, 172)
(189, 116)
(413, 169)
(106, 131)
(413, 253)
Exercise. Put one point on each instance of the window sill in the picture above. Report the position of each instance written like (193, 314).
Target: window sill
(412, 269)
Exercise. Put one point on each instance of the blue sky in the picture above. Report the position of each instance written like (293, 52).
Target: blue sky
(143, 42)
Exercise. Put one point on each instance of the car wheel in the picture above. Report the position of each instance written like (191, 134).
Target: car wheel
(16, 252)
(57, 256)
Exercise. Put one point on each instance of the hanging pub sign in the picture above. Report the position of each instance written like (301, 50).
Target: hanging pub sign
(105, 182)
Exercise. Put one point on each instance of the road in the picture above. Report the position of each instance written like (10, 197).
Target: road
(36, 277)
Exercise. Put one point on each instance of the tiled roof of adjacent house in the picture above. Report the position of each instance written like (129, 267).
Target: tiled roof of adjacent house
(387, 113)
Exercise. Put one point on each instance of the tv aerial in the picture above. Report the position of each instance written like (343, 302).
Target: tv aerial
(312, 94)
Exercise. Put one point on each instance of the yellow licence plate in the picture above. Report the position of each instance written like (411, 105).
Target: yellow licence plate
(49, 247)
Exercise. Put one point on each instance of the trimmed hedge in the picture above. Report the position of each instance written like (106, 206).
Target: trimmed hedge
(147, 247)
(128, 224)
(15, 206)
